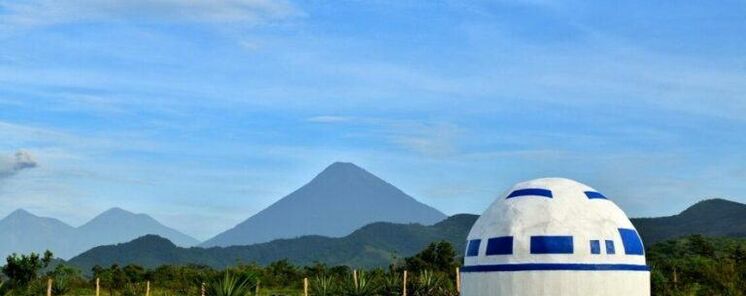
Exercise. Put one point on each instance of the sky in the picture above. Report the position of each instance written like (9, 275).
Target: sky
(202, 113)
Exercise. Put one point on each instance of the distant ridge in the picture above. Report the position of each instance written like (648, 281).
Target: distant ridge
(342, 198)
(23, 232)
(377, 244)
(711, 217)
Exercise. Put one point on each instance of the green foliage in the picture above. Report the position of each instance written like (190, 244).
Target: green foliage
(232, 285)
(360, 286)
(438, 256)
(697, 265)
(323, 285)
(22, 269)
(391, 284)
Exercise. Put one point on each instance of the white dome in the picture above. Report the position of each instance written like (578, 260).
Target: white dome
(551, 230)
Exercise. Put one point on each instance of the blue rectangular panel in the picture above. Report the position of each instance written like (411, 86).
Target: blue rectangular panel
(551, 245)
(631, 241)
(595, 247)
(594, 195)
(530, 192)
(610, 247)
(500, 245)
(473, 248)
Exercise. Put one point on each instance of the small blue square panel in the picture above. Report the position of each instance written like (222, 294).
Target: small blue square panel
(500, 245)
(610, 247)
(473, 248)
(631, 242)
(595, 247)
(551, 245)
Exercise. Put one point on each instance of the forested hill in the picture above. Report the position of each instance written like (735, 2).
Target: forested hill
(378, 244)
(712, 217)
(374, 245)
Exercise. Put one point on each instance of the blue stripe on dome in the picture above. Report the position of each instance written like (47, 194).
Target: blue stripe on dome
(554, 266)
(530, 192)
(594, 195)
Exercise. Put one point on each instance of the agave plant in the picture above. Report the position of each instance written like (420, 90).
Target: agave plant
(363, 286)
(323, 285)
(391, 284)
(426, 284)
(232, 285)
(133, 289)
(60, 286)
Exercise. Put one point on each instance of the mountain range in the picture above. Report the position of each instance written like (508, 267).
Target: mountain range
(23, 232)
(339, 200)
(379, 244)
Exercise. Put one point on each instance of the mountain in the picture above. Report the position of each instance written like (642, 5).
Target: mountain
(23, 232)
(340, 199)
(712, 217)
(117, 225)
(376, 244)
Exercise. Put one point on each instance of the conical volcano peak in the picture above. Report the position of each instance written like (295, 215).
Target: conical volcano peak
(20, 213)
(339, 200)
(343, 168)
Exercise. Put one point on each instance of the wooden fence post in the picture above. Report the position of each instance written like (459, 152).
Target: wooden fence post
(354, 278)
(147, 288)
(257, 288)
(404, 284)
(458, 280)
(49, 287)
(98, 286)
(305, 286)
(202, 289)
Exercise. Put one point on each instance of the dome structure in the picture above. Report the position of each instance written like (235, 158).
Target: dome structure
(554, 236)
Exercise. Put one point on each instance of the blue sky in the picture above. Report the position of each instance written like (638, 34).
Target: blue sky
(202, 113)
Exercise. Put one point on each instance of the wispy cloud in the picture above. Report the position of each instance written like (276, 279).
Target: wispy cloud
(328, 119)
(48, 12)
(21, 160)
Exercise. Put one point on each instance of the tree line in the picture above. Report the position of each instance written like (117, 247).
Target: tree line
(693, 265)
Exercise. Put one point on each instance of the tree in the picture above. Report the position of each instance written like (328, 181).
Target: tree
(438, 256)
(22, 269)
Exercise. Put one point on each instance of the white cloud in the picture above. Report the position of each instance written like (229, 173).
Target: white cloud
(49, 12)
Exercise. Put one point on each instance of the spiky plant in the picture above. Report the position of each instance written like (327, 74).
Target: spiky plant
(60, 286)
(426, 283)
(232, 285)
(391, 284)
(364, 285)
(133, 289)
(323, 285)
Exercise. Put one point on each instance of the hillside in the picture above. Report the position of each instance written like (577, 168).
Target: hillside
(378, 243)
(373, 245)
(339, 200)
(23, 232)
(712, 217)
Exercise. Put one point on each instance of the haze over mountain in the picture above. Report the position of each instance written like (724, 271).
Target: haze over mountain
(23, 232)
(339, 200)
(376, 244)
